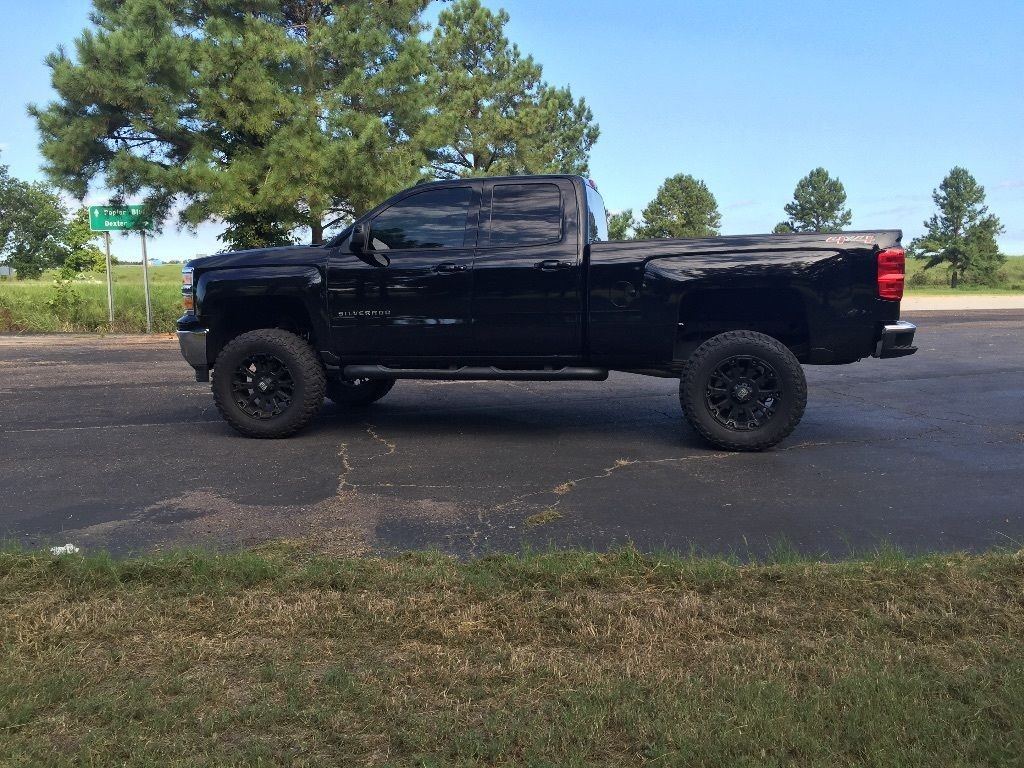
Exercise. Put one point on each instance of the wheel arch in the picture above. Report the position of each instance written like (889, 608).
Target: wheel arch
(234, 301)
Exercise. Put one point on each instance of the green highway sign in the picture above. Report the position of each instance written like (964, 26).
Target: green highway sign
(109, 218)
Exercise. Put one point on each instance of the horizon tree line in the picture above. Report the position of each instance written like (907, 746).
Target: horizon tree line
(961, 234)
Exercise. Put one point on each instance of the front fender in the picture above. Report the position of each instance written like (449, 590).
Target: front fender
(217, 291)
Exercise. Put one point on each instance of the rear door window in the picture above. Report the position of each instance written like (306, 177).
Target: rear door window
(525, 214)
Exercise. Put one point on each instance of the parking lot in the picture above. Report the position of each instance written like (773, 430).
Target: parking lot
(109, 443)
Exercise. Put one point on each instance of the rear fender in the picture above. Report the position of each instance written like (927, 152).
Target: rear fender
(791, 296)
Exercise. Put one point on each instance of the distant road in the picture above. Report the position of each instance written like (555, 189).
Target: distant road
(962, 302)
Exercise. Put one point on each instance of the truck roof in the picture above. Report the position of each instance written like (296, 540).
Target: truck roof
(514, 177)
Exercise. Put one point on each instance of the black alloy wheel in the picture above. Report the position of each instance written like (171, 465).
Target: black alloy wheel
(743, 391)
(268, 383)
(263, 386)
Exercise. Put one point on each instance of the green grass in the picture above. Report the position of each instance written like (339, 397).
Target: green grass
(560, 659)
(935, 281)
(24, 308)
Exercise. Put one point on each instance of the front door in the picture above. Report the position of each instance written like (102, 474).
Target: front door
(408, 295)
(528, 276)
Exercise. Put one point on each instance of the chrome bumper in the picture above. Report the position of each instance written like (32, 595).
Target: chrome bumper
(897, 340)
(193, 349)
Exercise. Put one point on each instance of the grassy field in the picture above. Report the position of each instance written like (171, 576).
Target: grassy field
(24, 308)
(564, 659)
(935, 281)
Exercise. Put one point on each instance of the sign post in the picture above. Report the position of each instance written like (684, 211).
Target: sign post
(110, 280)
(145, 280)
(113, 218)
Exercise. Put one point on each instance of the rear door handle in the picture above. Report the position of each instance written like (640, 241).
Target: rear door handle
(550, 265)
(450, 266)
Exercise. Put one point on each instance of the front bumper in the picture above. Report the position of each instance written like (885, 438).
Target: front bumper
(897, 340)
(193, 349)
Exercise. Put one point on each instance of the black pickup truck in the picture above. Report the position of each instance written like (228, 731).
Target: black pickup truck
(514, 278)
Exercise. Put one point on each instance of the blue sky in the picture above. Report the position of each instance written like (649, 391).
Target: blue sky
(748, 95)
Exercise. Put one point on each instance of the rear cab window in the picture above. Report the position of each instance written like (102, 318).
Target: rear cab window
(597, 218)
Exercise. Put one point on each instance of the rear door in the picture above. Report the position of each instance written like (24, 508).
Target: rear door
(409, 294)
(527, 274)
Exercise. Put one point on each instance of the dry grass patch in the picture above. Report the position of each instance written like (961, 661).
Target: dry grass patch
(553, 659)
(549, 515)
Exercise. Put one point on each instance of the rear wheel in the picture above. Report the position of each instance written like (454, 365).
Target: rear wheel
(743, 391)
(357, 392)
(268, 383)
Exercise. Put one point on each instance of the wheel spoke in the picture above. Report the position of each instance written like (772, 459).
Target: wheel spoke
(263, 386)
(742, 393)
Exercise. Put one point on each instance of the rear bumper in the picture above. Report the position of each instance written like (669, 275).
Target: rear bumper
(897, 340)
(193, 349)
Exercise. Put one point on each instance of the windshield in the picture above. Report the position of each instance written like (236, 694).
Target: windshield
(597, 219)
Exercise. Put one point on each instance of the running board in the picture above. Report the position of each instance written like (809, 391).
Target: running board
(476, 373)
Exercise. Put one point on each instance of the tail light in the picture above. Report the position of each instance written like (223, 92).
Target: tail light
(187, 297)
(892, 264)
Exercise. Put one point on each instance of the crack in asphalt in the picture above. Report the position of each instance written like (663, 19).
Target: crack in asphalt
(424, 486)
(346, 470)
(566, 487)
(867, 441)
(389, 445)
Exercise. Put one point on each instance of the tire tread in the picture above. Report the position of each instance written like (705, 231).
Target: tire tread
(310, 370)
(688, 385)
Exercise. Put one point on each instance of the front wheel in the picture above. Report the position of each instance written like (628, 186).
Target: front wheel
(268, 383)
(743, 391)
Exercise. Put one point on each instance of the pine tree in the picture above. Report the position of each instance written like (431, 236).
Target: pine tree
(621, 224)
(818, 205)
(494, 113)
(268, 116)
(683, 207)
(963, 233)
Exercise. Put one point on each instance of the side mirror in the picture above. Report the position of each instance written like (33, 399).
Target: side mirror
(358, 242)
(359, 246)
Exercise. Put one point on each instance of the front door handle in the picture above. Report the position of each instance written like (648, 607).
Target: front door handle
(449, 267)
(550, 265)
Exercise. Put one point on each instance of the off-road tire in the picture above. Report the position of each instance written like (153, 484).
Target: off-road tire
(295, 356)
(368, 391)
(701, 376)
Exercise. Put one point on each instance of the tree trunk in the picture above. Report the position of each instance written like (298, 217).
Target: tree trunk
(954, 278)
(318, 233)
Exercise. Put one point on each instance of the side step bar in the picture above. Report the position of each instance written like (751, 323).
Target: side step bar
(476, 373)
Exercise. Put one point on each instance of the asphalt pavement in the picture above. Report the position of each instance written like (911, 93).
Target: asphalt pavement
(109, 443)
